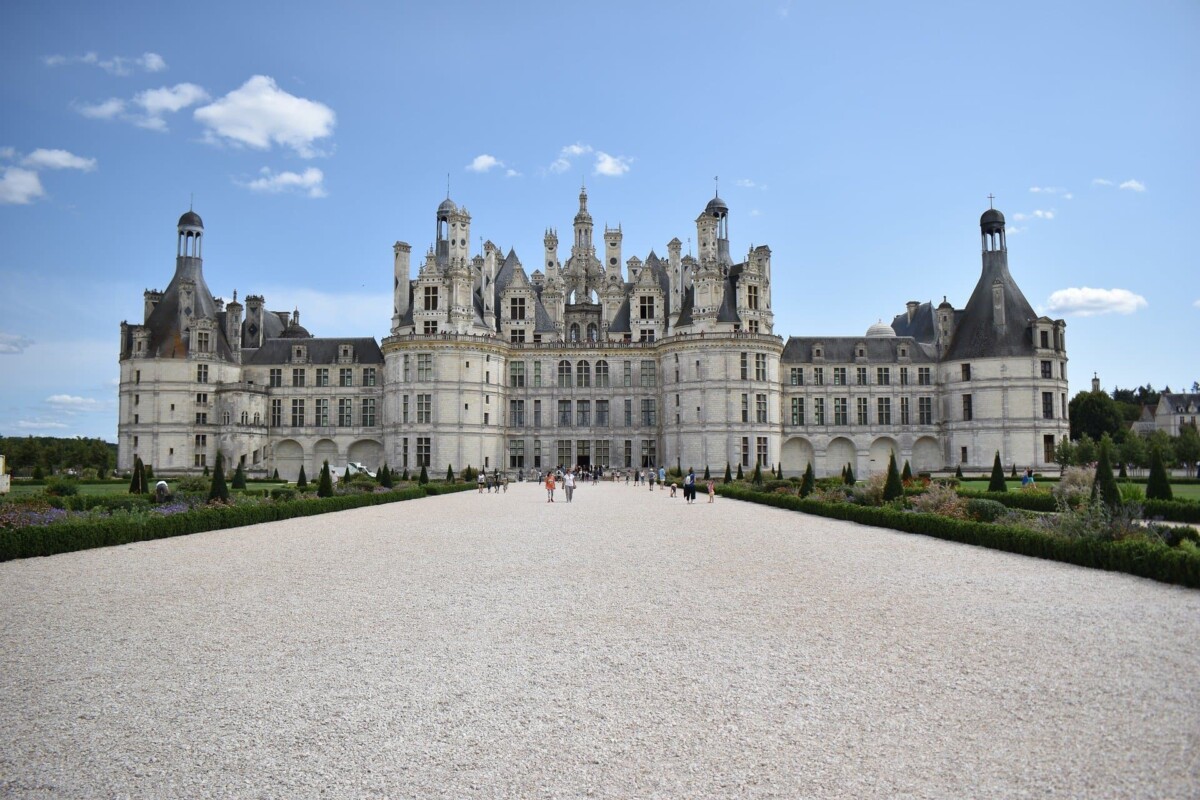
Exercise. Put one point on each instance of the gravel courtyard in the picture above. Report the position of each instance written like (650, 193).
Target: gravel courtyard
(624, 645)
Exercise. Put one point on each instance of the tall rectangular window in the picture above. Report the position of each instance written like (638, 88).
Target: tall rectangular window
(431, 298)
(745, 451)
(321, 411)
(602, 380)
(760, 408)
(797, 376)
(647, 374)
(968, 412)
(745, 366)
(298, 376)
(904, 411)
(649, 452)
(516, 308)
(424, 366)
(423, 451)
(925, 410)
(602, 414)
(368, 412)
(537, 374)
(537, 453)
(584, 410)
(904, 376)
(645, 307)
(407, 372)
(924, 377)
(516, 374)
(202, 341)
(297, 413)
(839, 376)
(627, 373)
(745, 408)
(762, 454)
(860, 375)
(1048, 448)
(424, 409)
(345, 412)
(564, 374)
(564, 452)
(1047, 405)
(345, 377)
(564, 413)
(537, 413)
(841, 415)
(819, 411)
(966, 372)
(602, 457)
(628, 452)
(797, 410)
(276, 412)
(818, 376)
(752, 297)
(649, 415)
(883, 376)
(275, 377)
(1047, 369)
(760, 366)
(323, 375)
(583, 451)
(368, 376)
(862, 411)
(628, 413)
(516, 413)
(201, 373)
(883, 411)
(516, 453)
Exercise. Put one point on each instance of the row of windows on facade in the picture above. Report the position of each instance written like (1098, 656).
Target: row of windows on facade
(321, 413)
(968, 406)
(570, 413)
(815, 414)
(883, 375)
(321, 378)
(200, 457)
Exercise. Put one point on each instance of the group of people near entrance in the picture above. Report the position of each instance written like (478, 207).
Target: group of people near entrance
(647, 476)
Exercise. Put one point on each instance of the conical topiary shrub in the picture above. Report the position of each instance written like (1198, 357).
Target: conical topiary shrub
(1158, 485)
(325, 482)
(728, 474)
(385, 477)
(302, 481)
(906, 473)
(424, 479)
(274, 475)
(757, 476)
(239, 478)
(218, 491)
(740, 476)
(892, 487)
(1104, 485)
(997, 483)
(808, 482)
(449, 473)
(958, 472)
(850, 479)
(137, 481)
(707, 474)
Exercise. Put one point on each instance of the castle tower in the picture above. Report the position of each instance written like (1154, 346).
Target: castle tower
(612, 249)
(190, 237)
(583, 227)
(401, 286)
(551, 242)
(233, 323)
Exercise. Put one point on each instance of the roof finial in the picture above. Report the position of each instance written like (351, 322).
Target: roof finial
(717, 186)
(191, 200)
(991, 197)
(447, 185)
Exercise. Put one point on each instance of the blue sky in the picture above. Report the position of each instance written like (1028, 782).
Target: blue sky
(859, 141)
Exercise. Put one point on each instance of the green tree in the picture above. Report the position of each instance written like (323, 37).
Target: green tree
(1085, 451)
(740, 477)
(385, 477)
(808, 482)
(906, 473)
(1064, 454)
(302, 481)
(137, 482)
(1187, 447)
(997, 483)
(1104, 485)
(1094, 414)
(757, 476)
(728, 474)
(707, 474)
(1160, 440)
(892, 487)
(1158, 486)
(218, 491)
(958, 472)
(274, 477)
(1133, 451)
(850, 479)
(449, 474)
(325, 482)
(239, 477)
(424, 479)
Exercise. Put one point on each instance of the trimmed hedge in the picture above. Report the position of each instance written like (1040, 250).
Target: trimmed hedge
(1142, 558)
(1166, 510)
(72, 535)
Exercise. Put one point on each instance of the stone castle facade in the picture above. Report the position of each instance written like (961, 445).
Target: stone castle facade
(592, 361)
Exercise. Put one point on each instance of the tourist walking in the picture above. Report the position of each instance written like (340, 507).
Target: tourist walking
(480, 481)
(712, 489)
(549, 487)
(689, 487)
(569, 485)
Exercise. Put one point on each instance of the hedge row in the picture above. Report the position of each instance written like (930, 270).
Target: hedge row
(72, 535)
(1166, 510)
(1142, 558)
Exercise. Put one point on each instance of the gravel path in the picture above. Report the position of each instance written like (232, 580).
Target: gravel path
(623, 645)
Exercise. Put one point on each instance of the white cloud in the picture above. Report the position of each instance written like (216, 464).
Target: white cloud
(106, 109)
(1101, 182)
(511, 173)
(310, 182)
(1088, 302)
(20, 186)
(259, 114)
(1040, 214)
(34, 425)
(7, 152)
(754, 212)
(563, 162)
(72, 402)
(11, 343)
(58, 159)
(612, 166)
(1055, 190)
(1019, 217)
(746, 183)
(483, 163)
(165, 100)
(117, 65)
(1133, 185)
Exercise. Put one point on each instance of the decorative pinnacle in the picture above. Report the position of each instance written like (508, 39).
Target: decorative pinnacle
(991, 197)
(716, 186)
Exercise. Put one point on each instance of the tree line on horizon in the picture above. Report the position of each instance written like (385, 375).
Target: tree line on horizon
(51, 455)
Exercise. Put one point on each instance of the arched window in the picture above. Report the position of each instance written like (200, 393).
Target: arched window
(602, 374)
(583, 374)
(591, 332)
(245, 418)
(574, 332)
(256, 418)
(224, 417)
(564, 374)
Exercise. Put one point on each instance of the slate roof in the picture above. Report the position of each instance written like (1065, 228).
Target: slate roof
(167, 340)
(843, 349)
(922, 327)
(320, 351)
(975, 335)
